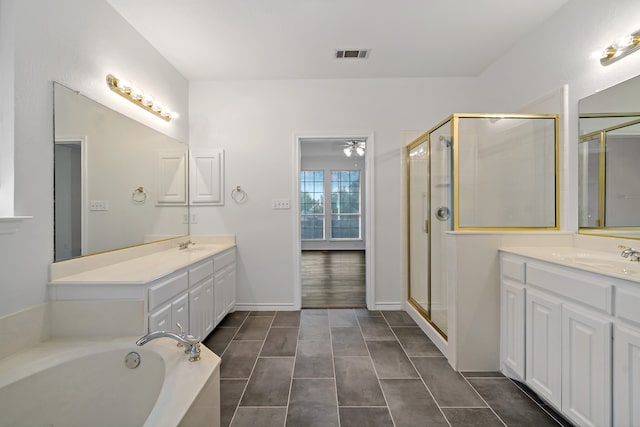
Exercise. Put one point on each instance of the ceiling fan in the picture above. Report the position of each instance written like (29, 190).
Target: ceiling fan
(354, 146)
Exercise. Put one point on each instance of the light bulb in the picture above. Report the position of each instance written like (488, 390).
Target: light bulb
(137, 93)
(157, 107)
(347, 151)
(360, 151)
(147, 100)
(175, 115)
(124, 85)
(165, 111)
(623, 42)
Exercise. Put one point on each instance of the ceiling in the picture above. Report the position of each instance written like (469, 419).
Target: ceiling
(297, 39)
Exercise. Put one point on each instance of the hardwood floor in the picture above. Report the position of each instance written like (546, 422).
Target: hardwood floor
(333, 279)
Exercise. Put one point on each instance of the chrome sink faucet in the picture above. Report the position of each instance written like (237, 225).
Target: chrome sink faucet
(189, 342)
(632, 254)
(185, 245)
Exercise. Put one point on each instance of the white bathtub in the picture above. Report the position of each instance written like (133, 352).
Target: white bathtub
(74, 383)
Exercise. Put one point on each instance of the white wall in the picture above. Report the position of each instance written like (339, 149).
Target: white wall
(557, 53)
(75, 42)
(255, 122)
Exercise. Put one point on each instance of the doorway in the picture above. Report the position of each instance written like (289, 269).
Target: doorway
(69, 217)
(333, 233)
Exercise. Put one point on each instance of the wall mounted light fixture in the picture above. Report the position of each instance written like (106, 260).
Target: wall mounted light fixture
(617, 50)
(354, 146)
(125, 89)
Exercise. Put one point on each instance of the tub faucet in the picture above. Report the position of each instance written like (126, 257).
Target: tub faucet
(185, 245)
(632, 254)
(190, 343)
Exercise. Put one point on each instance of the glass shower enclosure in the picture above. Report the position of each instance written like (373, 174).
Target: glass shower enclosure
(475, 172)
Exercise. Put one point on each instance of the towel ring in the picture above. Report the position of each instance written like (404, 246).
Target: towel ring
(239, 195)
(139, 196)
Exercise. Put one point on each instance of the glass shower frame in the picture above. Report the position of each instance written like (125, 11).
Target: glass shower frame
(453, 122)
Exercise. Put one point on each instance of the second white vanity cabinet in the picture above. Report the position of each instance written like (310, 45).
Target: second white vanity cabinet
(224, 284)
(556, 335)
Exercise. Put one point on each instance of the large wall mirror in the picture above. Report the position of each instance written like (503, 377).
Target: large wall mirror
(118, 183)
(609, 154)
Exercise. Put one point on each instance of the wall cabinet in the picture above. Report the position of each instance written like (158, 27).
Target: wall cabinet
(562, 320)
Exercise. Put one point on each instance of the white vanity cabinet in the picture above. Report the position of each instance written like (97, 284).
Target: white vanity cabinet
(168, 303)
(224, 284)
(626, 357)
(201, 299)
(561, 320)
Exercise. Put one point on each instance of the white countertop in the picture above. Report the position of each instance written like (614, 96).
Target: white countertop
(605, 263)
(144, 269)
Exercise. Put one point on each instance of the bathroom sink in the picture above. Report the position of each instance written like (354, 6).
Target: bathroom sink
(607, 263)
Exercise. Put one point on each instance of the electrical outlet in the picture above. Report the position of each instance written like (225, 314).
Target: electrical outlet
(98, 205)
(194, 218)
(280, 204)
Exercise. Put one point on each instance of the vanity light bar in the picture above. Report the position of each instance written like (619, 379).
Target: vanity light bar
(137, 96)
(622, 47)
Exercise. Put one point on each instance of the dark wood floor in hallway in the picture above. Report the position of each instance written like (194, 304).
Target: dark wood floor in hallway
(333, 279)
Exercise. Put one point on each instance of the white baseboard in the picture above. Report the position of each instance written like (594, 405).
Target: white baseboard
(426, 327)
(266, 307)
(388, 306)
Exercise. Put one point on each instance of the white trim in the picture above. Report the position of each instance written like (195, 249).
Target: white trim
(11, 224)
(266, 307)
(428, 329)
(369, 214)
(388, 306)
(84, 225)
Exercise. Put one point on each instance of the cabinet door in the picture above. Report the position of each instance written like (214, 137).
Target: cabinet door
(208, 307)
(230, 285)
(180, 313)
(161, 319)
(543, 345)
(196, 319)
(220, 295)
(586, 367)
(512, 327)
(626, 377)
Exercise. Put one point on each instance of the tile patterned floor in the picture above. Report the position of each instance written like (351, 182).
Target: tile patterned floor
(354, 368)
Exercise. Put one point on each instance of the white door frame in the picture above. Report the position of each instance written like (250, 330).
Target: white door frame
(82, 142)
(369, 211)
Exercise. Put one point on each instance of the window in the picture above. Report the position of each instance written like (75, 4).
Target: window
(312, 205)
(345, 204)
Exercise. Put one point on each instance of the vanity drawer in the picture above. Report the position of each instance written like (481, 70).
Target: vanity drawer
(222, 260)
(167, 289)
(513, 268)
(200, 272)
(628, 303)
(588, 289)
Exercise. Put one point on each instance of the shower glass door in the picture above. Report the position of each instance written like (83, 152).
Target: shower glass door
(418, 173)
(441, 219)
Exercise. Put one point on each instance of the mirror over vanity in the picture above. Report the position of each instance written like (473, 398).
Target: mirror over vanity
(118, 183)
(609, 154)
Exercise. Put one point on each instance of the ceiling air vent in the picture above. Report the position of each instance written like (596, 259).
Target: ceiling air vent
(352, 53)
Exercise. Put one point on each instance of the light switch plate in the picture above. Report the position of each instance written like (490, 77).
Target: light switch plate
(98, 205)
(280, 204)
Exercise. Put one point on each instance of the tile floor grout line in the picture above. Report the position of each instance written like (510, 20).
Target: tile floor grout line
(483, 399)
(418, 372)
(393, 421)
(252, 369)
(333, 366)
(293, 367)
(540, 406)
(234, 335)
